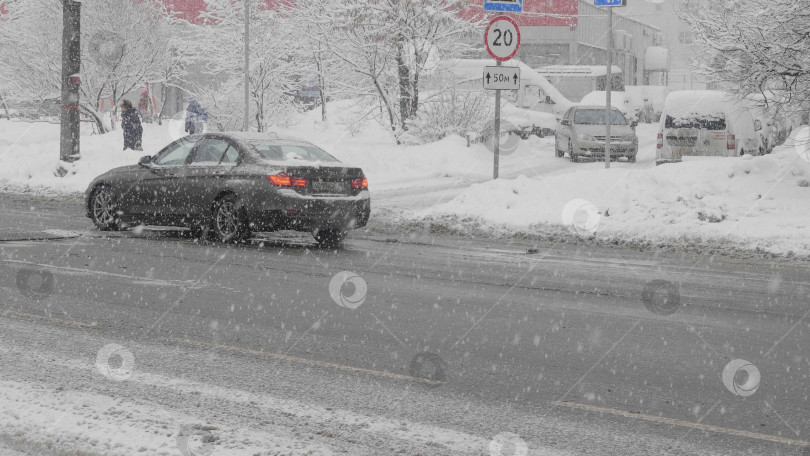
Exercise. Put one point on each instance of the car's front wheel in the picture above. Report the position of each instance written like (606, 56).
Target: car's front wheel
(103, 210)
(571, 154)
(229, 222)
(329, 237)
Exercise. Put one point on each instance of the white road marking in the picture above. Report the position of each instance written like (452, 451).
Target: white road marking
(687, 424)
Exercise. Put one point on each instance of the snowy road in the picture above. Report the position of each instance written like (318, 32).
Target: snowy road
(246, 351)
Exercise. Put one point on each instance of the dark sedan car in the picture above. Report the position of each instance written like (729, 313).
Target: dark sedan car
(231, 184)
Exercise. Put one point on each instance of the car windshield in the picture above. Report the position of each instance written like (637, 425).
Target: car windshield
(287, 152)
(597, 117)
(715, 121)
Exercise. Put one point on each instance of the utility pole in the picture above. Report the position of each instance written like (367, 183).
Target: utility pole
(609, 87)
(71, 68)
(247, 66)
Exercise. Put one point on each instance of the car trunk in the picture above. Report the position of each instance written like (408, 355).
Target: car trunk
(327, 181)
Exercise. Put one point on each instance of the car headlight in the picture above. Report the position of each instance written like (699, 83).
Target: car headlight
(584, 137)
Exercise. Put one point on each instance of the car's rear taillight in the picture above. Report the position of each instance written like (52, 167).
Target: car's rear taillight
(731, 142)
(283, 179)
(360, 183)
(660, 140)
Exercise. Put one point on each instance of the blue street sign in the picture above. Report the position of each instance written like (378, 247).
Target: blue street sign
(608, 2)
(514, 6)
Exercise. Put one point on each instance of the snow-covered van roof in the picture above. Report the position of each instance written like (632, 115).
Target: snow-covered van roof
(686, 102)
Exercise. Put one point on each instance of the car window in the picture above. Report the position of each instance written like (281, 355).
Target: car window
(231, 156)
(210, 151)
(286, 152)
(716, 121)
(597, 117)
(175, 154)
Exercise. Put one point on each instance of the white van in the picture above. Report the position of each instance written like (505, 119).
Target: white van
(706, 123)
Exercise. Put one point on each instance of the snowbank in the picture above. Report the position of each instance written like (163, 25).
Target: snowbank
(749, 202)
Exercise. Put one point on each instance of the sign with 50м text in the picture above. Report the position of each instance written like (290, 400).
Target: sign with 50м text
(514, 6)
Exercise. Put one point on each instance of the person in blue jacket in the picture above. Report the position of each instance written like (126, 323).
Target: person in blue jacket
(196, 117)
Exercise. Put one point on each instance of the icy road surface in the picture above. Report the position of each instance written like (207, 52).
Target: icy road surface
(153, 344)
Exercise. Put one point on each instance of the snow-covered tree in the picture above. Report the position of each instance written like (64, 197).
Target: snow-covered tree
(755, 50)
(124, 46)
(276, 66)
(389, 43)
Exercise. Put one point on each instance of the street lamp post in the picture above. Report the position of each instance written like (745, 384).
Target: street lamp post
(247, 66)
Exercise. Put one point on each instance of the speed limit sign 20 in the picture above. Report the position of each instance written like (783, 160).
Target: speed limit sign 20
(502, 38)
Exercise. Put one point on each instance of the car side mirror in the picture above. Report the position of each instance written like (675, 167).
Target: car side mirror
(566, 123)
(634, 124)
(145, 161)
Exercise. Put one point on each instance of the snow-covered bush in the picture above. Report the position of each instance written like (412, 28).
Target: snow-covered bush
(451, 112)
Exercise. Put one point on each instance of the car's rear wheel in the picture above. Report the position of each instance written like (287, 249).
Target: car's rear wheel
(329, 237)
(103, 210)
(229, 222)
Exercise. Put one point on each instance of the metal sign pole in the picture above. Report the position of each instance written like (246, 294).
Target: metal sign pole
(497, 139)
(609, 87)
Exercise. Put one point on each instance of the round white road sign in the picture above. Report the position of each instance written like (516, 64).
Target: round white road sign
(502, 38)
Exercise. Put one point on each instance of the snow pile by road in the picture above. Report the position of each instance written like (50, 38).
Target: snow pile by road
(751, 201)
(30, 156)
(30, 153)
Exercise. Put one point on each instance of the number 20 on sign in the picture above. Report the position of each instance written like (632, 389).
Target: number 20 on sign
(502, 38)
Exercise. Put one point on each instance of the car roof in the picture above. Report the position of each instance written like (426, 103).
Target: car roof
(596, 107)
(268, 137)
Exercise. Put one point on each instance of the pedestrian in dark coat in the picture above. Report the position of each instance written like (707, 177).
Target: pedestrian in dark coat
(131, 123)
